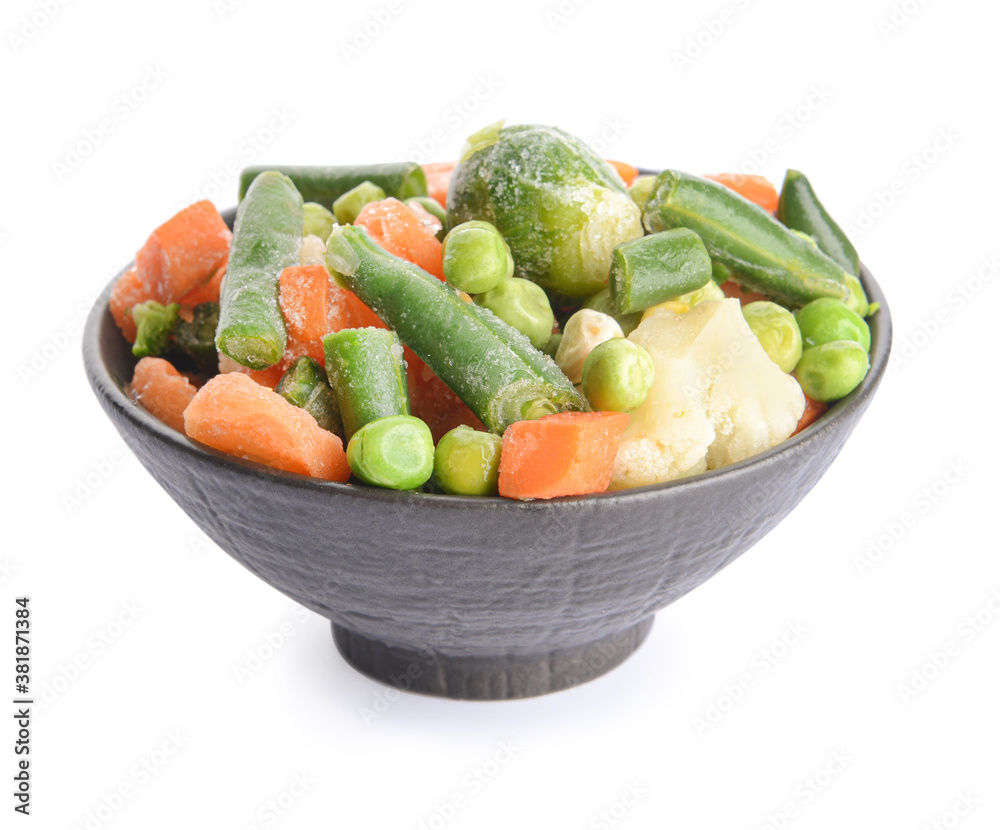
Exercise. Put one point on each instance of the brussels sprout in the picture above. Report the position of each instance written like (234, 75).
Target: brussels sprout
(561, 208)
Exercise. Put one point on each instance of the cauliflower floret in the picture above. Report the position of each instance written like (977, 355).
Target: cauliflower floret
(717, 398)
(313, 250)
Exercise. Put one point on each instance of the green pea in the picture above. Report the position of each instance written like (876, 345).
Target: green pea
(395, 452)
(348, 206)
(641, 188)
(467, 462)
(522, 305)
(602, 301)
(617, 375)
(476, 258)
(708, 293)
(827, 319)
(831, 370)
(317, 220)
(776, 330)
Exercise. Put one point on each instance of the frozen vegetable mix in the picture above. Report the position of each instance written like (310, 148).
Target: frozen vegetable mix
(529, 321)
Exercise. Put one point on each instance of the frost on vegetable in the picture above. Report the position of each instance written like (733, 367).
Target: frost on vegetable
(717, 397)
(560, 207)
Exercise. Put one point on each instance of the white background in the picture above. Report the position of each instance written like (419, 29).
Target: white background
(863, 96)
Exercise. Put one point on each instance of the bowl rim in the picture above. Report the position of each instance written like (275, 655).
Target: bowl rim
(107, 387)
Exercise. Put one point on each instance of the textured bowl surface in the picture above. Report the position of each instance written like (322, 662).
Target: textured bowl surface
(480, 598)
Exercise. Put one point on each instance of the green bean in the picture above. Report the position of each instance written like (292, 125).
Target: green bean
(656, 268)
(492, 367)
(267, 238)
(395, 452)
(196, 339)
(800, 210)
(766, 255)
(325, 184)
(305, 385)
(366, 372)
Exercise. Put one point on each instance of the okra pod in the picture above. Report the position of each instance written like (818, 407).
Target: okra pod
(327, 184)
(267, 238)
(305, 385)
(493, 368)
(800, 210)
(766, 256)
(655, 268)
(366, 372)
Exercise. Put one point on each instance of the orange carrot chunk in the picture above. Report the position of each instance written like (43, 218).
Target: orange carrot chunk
(433, 401)
(567, 454)
(130, 289)
(208, 291)
(812, 411)
(235, 415)
(304, 292)
(180, 255)
(438, 176)
(398, 230)
(755, 188)
(163, 391)
(732, 289)
(346, 311)
(628, 173)
(185, 250)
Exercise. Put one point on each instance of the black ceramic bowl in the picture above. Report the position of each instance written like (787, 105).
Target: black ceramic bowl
(480, 598)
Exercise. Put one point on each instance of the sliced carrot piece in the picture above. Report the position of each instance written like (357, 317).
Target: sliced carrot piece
(304, 291)
(567, 454)
(346, 311)
(433, 401)
(129, 290)
(235, 415)
(438, 175)
(181, 254)
(427, 219)
(812, 411)
(628, 173)
(399, 231)
(185, 250)
(755, 188)
(162, 390)
(731, 288)
(208, 291)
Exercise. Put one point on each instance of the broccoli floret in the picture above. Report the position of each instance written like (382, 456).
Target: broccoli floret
(196, 340)
(154, 324)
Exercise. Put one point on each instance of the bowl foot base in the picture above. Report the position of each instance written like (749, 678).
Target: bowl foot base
(502, 677)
